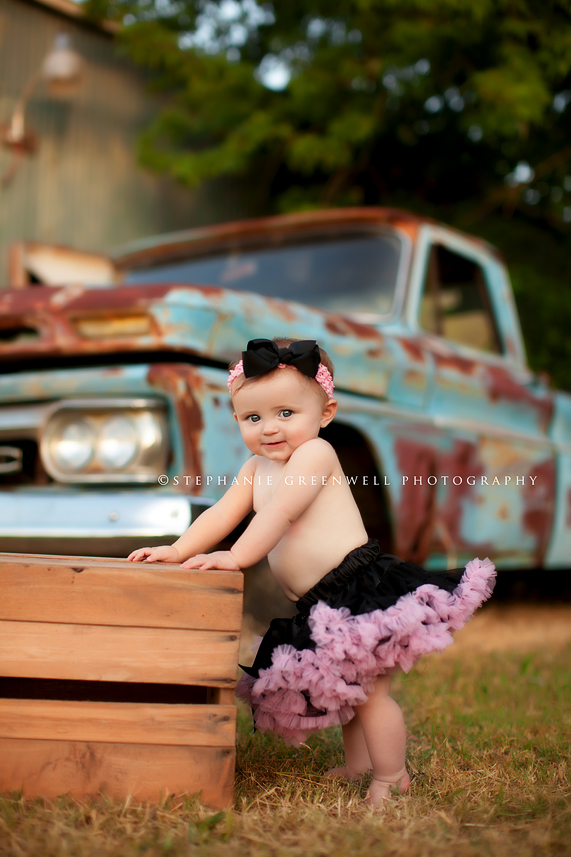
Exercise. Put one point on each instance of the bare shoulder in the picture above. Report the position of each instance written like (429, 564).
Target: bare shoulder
(316, 451)
(249, 467)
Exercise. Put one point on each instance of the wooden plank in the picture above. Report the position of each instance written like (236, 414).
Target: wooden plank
(83, 591)
(123, 722)
(107, 653)
(147, 772)
(224, 695)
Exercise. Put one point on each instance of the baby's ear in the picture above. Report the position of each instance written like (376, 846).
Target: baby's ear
(234, 415)
(328, 412)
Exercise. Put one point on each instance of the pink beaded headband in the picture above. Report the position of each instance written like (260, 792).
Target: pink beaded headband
(264, 355)
(323, 376)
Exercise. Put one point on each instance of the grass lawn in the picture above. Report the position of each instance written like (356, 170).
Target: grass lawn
(489, 754)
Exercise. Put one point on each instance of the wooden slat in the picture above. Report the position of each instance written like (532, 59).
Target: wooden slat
(224, 695)
(84, 591)
(147, 772)
(125, 722)
(106, 653)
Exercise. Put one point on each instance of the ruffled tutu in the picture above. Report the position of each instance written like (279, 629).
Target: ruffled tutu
(372, 613)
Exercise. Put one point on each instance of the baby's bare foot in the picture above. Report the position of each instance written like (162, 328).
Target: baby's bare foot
(380, 790)
(343, 773)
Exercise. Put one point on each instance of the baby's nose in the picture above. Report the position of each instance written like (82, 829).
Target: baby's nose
(270, 427)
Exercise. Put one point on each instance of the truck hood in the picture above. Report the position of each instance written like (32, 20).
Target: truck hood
(200, 323)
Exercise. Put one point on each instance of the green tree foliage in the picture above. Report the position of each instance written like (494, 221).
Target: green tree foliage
(456, 109)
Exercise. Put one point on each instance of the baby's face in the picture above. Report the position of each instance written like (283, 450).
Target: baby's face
(278, 413)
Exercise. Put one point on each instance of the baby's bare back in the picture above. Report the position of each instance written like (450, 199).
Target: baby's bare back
(325, 531)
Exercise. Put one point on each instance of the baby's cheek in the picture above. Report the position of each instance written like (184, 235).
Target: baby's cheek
(249, 438)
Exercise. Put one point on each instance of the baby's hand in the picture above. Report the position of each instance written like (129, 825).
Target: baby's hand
(218, 559)
(163, 553)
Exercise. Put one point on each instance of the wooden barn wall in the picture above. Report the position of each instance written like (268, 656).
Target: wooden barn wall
(83, 186)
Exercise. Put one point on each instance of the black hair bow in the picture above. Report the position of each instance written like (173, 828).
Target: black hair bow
(263, 355)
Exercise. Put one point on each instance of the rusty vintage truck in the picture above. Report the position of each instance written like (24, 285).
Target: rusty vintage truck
(116, 426)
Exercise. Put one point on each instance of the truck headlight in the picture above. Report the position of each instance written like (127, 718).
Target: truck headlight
(72, 449)
(106, 440)
(118, 442)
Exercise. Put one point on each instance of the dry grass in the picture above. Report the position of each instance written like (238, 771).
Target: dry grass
(489, 752)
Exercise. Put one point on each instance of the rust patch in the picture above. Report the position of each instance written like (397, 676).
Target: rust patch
(19, 301)
(121, 298)
(409, 226)
(414, 378)
(180, 383)
(280, 308)
(500, 384)
(417, 531)
(210, 291)
(539, 505)
(76, 299)
(344, 326)
(375, 353)
(463, 461)
(510, 345)
(412, 348)
(454, 361)
(416, 511)
(503, 512)
(66, 295)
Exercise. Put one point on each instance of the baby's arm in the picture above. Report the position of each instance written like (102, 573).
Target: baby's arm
(315, 458)
(214, 524)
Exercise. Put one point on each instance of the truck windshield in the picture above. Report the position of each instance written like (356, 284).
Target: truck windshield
(348, 273)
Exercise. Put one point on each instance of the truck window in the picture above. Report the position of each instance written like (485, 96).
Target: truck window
(455, 303)
(352, 273)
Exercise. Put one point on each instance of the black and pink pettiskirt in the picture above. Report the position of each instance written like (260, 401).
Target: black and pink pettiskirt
(370, 615)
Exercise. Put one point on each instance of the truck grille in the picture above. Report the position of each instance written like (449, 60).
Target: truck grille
(20, 462)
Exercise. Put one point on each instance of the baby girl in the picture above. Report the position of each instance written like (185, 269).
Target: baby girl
(361, 614)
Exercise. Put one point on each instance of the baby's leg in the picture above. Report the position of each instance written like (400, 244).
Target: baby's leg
(357, 759)
(385, 735)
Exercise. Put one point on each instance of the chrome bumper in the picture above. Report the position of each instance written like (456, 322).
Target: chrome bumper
(58, 518)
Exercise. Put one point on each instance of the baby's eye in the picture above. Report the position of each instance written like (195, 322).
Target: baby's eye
(254, 418)
(286, 413)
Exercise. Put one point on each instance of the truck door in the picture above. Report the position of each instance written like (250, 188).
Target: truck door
(493, 461)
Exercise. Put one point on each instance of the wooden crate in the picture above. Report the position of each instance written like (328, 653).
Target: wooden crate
(117, 677)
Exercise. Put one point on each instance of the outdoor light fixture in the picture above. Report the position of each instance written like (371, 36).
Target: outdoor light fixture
(63, 67)
(62, 71)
